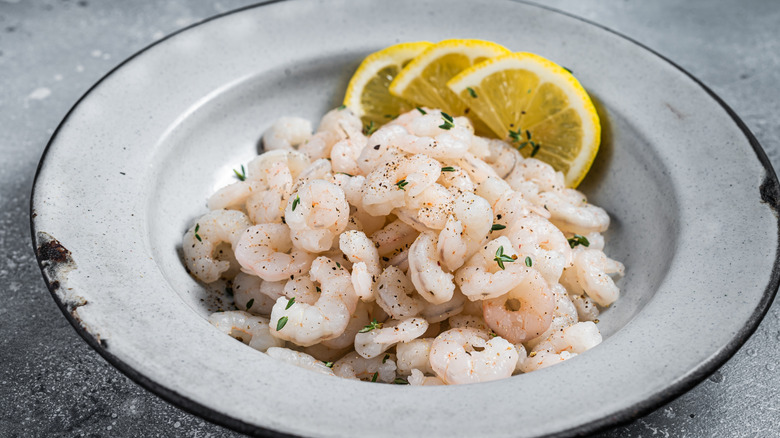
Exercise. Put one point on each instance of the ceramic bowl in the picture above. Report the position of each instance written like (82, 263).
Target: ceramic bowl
(691, 194)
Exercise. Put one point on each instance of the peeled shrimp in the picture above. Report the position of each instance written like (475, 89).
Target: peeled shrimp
(467, 355)
(328, 317)
(570, 211)
(267, 206)
(299, 359)
(563, 345)
(432, 282)
(395, 294)
(417, 378)
(248, 294)
(199, 246)
(482, 278)
(321, 213)
(593, 268)
(375, 342)
(525, 312)
(266, 251)
(355, 366)
(549, 251)
(465, 230)
(388, 186)
(286, 132)
(414, 354)
(249, 329)
(360, 250)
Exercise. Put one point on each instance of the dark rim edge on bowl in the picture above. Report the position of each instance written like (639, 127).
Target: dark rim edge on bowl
(769, 192)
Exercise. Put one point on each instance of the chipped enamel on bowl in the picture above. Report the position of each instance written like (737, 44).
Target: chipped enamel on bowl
(690, 192)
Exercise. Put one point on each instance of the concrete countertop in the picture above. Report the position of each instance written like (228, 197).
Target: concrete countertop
(51, 52)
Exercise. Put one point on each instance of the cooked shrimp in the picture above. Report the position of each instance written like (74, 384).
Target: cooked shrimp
(394, 237)
(257, 169)
(267, 206)
(434, 313)
(433, 206)
(301, 289)
(563, 345)
(470, 321)
(360, 318)
(549, 251)
(593, 269)
(432, 282)
(286, 133)
(265, 250)
(538, 172)
(465, 230)
(380, 148)
(525, 312)
(502, 157)
(570, 211)
(318, 169)
(375, 342)
(390, 184)
(355, 366)
(395, 294)
(481, 277)
(414, 354)
(327, 318)
(586, 307)
(233, 196)
(248, 295)
(360, 250)
(512, 207)
(353, 191)
(417, 378)
(564, 315)
(202, 239)
(247, 328)
(345, 153)
(456, 180)
(321, 213)
(299, 359)
(467, 355)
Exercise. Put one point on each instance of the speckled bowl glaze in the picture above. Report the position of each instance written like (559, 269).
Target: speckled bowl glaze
(691, 194)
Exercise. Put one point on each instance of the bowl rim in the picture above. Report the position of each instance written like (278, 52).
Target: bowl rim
(769, 192)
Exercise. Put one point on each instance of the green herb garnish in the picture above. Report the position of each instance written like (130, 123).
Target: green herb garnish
(384, 359)
(472, 93)
(449, 122)
(197, 236)
(371, 326)
(448, 169)
(296, 201)
(370, 128)
(516, 135)
(250, 303)
(401, 184)
(290, 303)
(422, 111)
(242, 175)
(502, 258)
(400, 381)
(376, 374)
(529, 262)
(282, 321)
(497, 227)
(341, 107)
(328, 364)
(578, 240)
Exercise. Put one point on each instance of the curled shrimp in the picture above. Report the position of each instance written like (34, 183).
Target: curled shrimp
(327, 318)
(502, 157)
(541, 174)
(593, 269)
(267, 206)
(372, 343)
(467, 355)
(434, 313)
(247, 328)
(380, 148)
(321, 213)
(337, 124)
(249, 294)
(525, 312)
(395, 294)
(360, 318)
(481, 277)
(360, 250)
(394, 238)
(571, 212)
(266, 250)
(465, 230)
(563, 345)
(545, 245)
(390, 184)
(354, 366)
(418, 378)
(433, 206)
(564, 315)
(345, 153)
(202, 240)
(432, 282)
(233, 196)
(286, 132)
(414, 354)
(426, 135)
(352, 185)
(257, 169)
(299, 359)
(456, 180)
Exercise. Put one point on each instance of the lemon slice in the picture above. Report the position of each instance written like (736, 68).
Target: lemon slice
(424, 80)
(367, 95)
(538, 106)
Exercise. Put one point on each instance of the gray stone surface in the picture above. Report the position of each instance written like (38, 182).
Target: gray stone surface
(53, 384)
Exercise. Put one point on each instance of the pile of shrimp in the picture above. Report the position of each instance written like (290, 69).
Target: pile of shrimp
(419, 253)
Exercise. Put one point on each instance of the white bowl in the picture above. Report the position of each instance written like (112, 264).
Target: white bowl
(691, 193)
